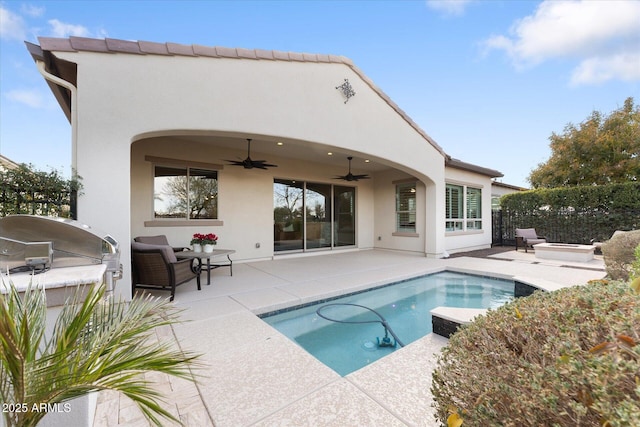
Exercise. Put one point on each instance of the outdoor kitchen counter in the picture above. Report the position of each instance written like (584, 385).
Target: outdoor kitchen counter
(57, 280)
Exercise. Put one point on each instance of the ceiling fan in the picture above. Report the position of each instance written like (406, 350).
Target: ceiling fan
(350, 176)
(250, 164)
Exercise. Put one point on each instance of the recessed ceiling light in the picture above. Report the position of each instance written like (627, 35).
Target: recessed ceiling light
(329, 153)
(367, 160)
(280, 143)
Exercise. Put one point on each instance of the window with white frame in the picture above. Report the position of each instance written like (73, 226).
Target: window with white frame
(183, 192)
(406, 207)
(474, 208)
(454, 203)
(463, 208)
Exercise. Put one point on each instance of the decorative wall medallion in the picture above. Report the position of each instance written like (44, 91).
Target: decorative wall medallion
(346, 90)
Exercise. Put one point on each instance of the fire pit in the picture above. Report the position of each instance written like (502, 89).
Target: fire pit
(564, 252)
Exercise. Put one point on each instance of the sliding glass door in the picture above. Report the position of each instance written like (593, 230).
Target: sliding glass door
(317, 199)
(287, 215)
(344, 216)
(310, 216)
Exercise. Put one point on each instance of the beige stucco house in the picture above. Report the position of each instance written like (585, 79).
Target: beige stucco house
(499, 189)
(157, 127)
(7, 164)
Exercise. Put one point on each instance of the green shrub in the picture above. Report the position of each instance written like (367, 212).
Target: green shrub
(619, 254)
(635, 267)
(25, 190)
(564, 358)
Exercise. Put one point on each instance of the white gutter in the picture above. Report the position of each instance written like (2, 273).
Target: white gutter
(74, 114)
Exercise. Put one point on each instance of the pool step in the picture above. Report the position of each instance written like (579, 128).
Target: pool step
(446, 320)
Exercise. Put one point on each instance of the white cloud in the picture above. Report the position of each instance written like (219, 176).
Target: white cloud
(624, 66)
(62, 29)
(31, 97)
(33, 11)
(602, 35)
(12, 26)
(448, 7)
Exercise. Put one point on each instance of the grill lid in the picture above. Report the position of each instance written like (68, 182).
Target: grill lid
(73, 242)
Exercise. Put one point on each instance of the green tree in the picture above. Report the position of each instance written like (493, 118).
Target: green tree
(97, 344)
(600, 150)
(25, 190)
(197, 194)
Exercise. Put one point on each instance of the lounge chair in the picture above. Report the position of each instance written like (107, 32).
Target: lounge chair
(528, 237)
(156, 267)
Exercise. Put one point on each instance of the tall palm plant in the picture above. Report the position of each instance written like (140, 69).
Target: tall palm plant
(96, 344)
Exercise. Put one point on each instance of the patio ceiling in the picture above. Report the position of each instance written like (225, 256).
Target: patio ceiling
(269, 149)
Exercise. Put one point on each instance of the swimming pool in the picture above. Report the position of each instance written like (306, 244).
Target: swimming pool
(347, 347)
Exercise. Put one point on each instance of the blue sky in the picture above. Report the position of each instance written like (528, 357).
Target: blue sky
(490, 81)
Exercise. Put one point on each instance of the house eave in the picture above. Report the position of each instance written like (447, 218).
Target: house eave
(469, 167)
(60, 68)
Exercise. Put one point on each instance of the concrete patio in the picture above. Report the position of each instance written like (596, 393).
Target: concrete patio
(254, 376)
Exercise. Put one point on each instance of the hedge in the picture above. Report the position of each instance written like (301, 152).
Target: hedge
(574, 214)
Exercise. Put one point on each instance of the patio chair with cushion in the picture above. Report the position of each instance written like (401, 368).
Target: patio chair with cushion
(158, 240)
(528, 237)
(156, 267)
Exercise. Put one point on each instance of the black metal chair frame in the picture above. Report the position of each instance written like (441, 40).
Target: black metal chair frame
(152, 270)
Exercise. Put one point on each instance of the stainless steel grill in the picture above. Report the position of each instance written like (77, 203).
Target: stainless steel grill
(29, 242)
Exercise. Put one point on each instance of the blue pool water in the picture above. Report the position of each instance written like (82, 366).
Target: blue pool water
(347, 347)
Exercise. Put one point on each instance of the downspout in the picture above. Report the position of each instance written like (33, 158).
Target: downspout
(74, 128)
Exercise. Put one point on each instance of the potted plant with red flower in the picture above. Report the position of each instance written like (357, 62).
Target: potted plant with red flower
(208, 242)
(196, 242)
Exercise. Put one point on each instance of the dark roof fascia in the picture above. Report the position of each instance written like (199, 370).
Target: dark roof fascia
(53, 66)
(36, 51)
(509, 186)
(75, 44)
(459, 164)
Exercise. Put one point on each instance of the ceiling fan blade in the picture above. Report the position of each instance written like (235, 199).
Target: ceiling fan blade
(350, 176)
(249, 163)
(236, 162)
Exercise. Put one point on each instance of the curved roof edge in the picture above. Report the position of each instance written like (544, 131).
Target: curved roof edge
(108, 45)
